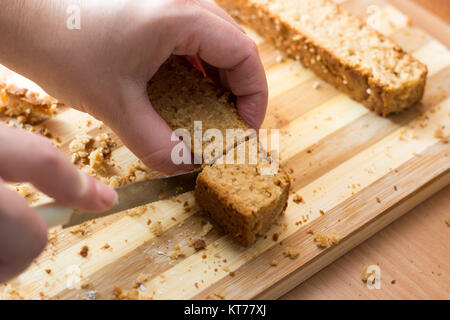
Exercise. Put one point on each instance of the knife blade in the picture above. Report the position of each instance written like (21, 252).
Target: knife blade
(129, 196)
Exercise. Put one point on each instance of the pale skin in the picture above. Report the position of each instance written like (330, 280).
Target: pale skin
(103, 69)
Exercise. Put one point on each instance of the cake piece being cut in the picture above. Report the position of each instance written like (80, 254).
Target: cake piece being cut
(239, 197)
(338, 47)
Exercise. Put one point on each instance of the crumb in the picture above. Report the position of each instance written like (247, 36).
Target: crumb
(85, 284)
(81, 229)
(393, 282)
(176, 253)
(298, 199)
(447, 221)
(48, 271)
(199, 244)
(125, 294)
(206, 229)
(292, 253)
(378, 199)
(157, 228)
(106, 246)
(322, 212)
(275, 236)
(274, 263)
(136, 212)
(326, 240)
(84, 251)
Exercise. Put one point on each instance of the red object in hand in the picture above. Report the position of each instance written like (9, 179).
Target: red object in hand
(195, 61)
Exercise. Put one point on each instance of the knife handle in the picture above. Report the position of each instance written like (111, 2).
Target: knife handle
(54, 214)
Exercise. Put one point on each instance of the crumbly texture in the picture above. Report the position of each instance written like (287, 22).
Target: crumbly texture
(238, 197)
(241, 199)
(182, 95)
(326, 240)
(292, 253)
(338, 47)
(21, 102)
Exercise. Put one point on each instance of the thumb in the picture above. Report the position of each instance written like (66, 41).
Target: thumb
(146, 134)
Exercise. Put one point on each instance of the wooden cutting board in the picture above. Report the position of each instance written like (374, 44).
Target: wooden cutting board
(356, 172)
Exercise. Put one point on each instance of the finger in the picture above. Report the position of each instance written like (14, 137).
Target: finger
(23, 234)
(32, 158)
(213, 8)
(223, 46)
(146, 134)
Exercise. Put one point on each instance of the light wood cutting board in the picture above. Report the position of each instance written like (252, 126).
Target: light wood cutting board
(356, 172)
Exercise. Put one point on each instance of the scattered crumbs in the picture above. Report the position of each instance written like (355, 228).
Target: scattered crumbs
(84, 251)
(199, 244)
(395, 188)
(149, 222)
(326, 240)
(298, 199)
(291, 252)
(322, 212)
(120, 294)
(447, 221)
(106, 246)
(48, 271)
(378, 199)
(393, 282)
(157, 228)
(81, 229)
(274, 263)
(232, 274)
(176, 253)
(136, 212)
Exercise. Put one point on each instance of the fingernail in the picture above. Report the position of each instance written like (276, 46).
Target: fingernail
(107, 194)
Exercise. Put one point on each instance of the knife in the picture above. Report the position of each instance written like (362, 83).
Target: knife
(129, 196)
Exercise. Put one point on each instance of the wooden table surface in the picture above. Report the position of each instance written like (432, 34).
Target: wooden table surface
(413, 253)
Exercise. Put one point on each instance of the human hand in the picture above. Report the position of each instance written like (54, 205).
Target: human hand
(32, 158)
(104, 67)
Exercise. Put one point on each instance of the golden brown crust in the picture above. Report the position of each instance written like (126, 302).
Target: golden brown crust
(275, 24)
